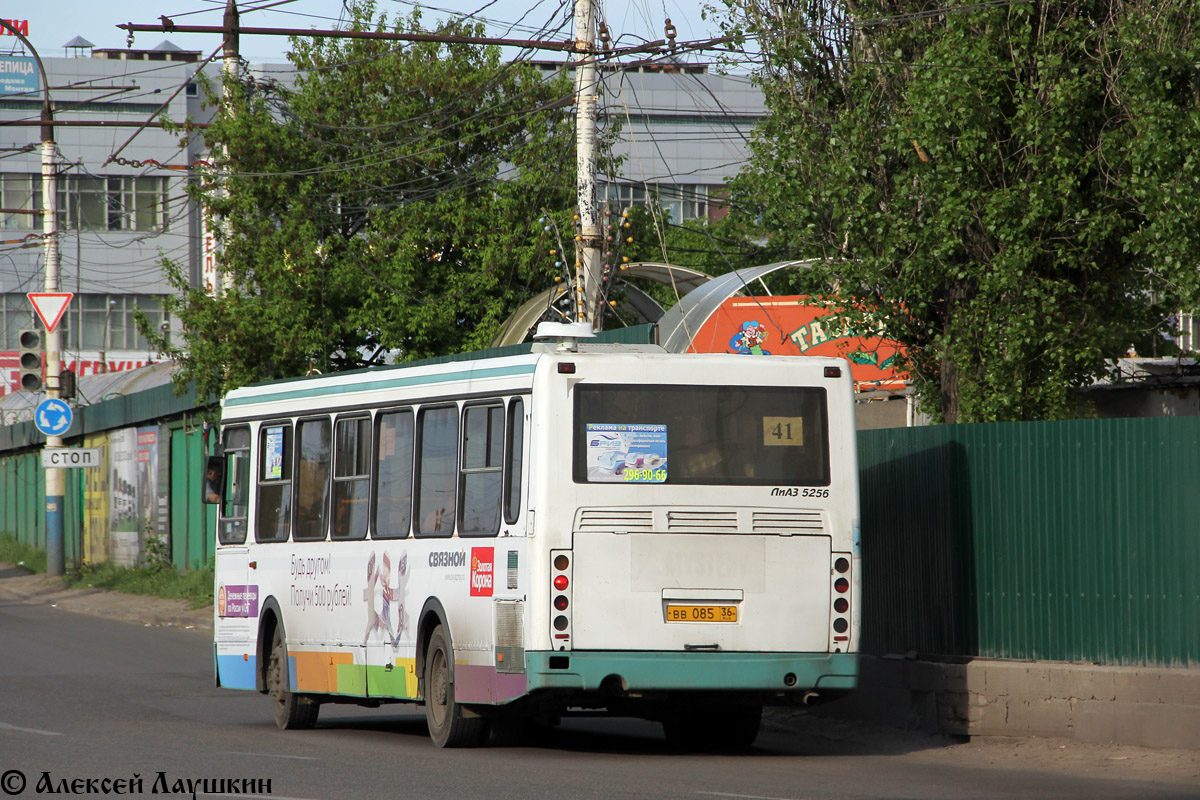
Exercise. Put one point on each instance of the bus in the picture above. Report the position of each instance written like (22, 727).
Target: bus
(578, 528)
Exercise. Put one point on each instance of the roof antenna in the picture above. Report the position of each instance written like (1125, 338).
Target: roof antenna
(567, 333)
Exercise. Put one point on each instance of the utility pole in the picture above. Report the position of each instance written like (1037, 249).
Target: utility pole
(589, 282)
(587, 98)
(229, 69)
(55, 480)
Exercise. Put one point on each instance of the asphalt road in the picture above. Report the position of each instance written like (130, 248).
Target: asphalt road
(87, 698)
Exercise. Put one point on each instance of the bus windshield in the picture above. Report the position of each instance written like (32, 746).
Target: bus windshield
(701, 435)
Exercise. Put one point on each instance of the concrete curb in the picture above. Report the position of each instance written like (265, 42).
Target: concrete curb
(18, 584)
(1141, 706)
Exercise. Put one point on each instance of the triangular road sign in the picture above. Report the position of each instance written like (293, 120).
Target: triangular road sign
(50, 306)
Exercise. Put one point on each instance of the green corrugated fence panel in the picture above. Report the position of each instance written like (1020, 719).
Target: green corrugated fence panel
(1071, 541)
(73, 517)
(203, 516)
(193, 524)
(180, 527)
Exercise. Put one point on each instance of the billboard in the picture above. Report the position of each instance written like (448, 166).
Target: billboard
(18, 75)
(764, 326)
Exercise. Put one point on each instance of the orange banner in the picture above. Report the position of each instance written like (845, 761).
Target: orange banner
(786, 326)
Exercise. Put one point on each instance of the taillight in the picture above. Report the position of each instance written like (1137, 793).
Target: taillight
(840, 635)
(560, 582)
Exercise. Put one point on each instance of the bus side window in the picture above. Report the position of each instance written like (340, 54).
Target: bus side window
(514, 460)
(312, 479)
(351, 478)
(273, 514)
(235, 491)
(437, 470)
(393, 475)
(482, 465)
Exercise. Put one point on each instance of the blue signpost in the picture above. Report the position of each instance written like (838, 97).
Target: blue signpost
(53, 417)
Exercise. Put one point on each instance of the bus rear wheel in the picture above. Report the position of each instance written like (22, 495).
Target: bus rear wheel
(709, 728)
(292, 711)
(450, 725)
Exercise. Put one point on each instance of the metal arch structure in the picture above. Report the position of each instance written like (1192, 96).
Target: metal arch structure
(517, 327)
(681, 321)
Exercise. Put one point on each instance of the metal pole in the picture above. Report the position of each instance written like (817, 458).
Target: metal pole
(587, 98)
(229, 73)
(55, 480)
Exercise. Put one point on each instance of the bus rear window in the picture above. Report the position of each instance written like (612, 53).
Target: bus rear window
(701, 435)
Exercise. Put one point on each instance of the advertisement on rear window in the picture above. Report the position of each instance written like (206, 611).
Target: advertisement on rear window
(626, 453)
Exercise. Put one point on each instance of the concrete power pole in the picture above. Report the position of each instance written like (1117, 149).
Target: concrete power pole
(589, 286)
(55, 480)
(229, 73)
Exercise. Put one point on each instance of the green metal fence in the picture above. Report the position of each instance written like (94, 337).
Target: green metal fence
(177, 511)
(1065, 541)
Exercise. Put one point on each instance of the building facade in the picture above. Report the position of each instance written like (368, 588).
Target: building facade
(122, 205)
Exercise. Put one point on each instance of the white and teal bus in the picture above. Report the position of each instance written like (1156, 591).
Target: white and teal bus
(585, 528)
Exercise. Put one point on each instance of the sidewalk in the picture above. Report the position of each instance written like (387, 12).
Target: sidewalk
(16, 583)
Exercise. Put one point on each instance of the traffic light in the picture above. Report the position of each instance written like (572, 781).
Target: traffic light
(29, 343)
(66, 385)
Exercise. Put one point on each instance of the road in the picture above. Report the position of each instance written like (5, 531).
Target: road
(83, 697)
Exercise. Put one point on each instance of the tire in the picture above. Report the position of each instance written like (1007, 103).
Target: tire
(450, 725)
(713, 728)
(293, 712)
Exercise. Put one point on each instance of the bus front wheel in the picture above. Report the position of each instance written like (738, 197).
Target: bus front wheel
(292, 711)
(450, 725)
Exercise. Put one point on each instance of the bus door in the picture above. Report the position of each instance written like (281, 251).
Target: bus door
(227, 484)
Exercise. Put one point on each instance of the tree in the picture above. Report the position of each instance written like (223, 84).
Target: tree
(388, 201)
(1010, 189)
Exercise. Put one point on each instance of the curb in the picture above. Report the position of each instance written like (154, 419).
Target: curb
(19, 584)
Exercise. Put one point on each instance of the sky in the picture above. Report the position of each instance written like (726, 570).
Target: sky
(54, 22)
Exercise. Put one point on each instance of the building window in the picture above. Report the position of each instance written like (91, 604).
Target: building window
(116, 203)
(107, 321)
(679, 202)
(21, 196)
(105, 203)
(99, 322)
(16, 314)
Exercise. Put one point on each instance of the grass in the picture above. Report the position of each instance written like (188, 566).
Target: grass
(154, 576)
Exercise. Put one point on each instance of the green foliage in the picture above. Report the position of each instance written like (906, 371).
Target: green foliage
(154, 575)
(150, 578)
(1011, 189)
(388, 201)
(20, 554)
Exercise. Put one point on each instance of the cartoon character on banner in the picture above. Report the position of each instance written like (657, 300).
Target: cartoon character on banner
(749, 340)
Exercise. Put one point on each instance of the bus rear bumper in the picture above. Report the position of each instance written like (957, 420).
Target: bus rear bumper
(582, 671)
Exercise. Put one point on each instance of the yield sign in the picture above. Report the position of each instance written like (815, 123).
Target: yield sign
(50, 306)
